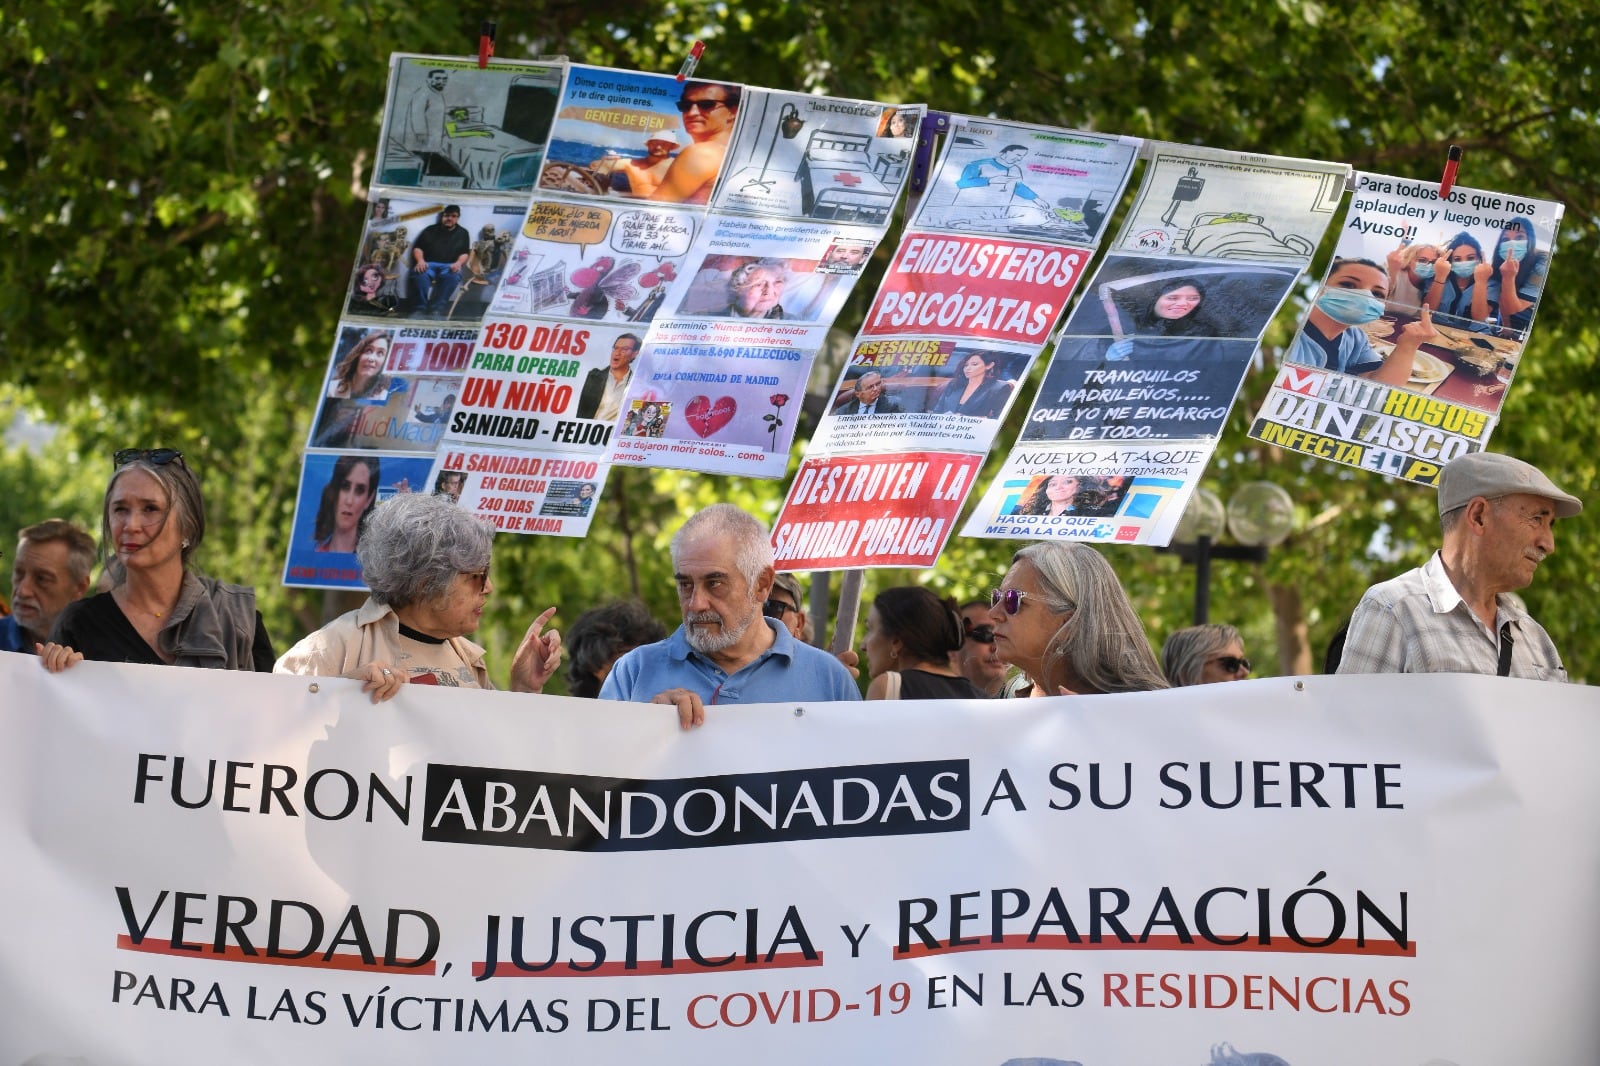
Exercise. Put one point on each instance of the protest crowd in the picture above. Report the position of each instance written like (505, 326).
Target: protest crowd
(1059, 622)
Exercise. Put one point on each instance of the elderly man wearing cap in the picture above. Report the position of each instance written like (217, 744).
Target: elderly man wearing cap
(641, 177)
(787, 605)
(1449, 616)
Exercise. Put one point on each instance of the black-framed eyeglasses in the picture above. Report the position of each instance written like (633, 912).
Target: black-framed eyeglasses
(1011, 598)
(983, 634)
(1232, 663)
(153, 456)
(705, 106)
(777, 609)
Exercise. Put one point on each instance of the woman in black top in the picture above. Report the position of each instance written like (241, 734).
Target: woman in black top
(158, 610)
(910, 635)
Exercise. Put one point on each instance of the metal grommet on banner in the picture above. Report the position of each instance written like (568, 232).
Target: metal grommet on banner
(799, 712)
(1299, 686)
(314, 687)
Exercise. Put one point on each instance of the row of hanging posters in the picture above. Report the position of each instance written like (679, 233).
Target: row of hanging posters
(984, 271)
(1143, 374)
(660, 301)
(1404, 358)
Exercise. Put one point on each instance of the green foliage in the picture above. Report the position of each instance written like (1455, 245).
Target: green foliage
(181, 194)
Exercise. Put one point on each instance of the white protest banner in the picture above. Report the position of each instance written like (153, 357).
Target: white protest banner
(206, 867)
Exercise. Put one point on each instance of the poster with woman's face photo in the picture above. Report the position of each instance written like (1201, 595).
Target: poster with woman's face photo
(338, 493)
(1134, 296)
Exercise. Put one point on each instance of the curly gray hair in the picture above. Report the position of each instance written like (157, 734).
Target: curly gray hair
(416, 543)
(742, 275)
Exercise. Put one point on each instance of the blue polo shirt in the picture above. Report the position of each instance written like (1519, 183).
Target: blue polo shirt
(11, 635)
(787, 672)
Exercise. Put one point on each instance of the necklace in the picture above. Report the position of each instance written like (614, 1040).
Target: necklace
(127, 602)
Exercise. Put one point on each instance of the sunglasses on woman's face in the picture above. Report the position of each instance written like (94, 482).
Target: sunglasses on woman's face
(154, 456)
(1012, 598)
(1232, 663)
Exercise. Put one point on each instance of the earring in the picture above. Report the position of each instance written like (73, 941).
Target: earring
(186, 545)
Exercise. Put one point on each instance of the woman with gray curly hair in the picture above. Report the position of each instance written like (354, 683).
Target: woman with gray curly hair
(755, 288)
(1061, 616)
(1200, 655)
(426, 562)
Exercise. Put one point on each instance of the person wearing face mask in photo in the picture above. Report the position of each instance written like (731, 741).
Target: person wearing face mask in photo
(1413, 269)
(1352, 296)
(1516, 276)
(1461, 299)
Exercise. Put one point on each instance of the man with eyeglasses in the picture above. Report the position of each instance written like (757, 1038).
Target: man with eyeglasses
(978, 661)
(709, 109)
(726, 650)
(1456, 614)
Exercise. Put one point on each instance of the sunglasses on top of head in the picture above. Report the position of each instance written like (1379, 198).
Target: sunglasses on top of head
(153, 456)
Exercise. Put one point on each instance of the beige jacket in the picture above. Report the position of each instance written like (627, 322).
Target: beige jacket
(368, 634)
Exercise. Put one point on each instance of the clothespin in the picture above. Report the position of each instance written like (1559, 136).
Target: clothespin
(485, 43)
(1447, 180)
(693, 61)
(933, 124)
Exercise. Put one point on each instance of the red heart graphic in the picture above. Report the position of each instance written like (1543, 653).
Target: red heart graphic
(707, 416)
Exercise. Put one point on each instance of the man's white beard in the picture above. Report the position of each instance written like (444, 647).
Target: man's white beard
(707, 643)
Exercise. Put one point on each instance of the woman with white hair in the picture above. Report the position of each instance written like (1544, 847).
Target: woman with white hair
(1061, 617)
(426, 562)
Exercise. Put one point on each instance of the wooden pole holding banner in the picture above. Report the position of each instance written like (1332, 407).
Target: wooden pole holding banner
(844, 623)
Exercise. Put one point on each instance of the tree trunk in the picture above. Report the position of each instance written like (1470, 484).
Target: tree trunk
(1294, 651)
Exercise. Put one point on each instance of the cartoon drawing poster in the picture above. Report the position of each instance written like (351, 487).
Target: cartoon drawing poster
(595, 262)
(1027, 181)
(1225, 205)
(450, 124)
(802, 156)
